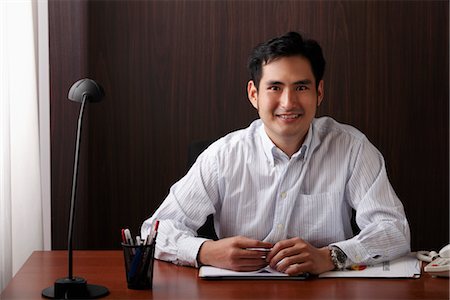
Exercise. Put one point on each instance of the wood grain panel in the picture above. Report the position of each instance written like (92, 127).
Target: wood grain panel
(68, 35)
(174, 72)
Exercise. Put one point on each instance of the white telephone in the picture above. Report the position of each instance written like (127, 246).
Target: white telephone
(439, 263)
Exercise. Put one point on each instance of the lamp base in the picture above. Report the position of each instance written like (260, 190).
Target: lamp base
(76, 288)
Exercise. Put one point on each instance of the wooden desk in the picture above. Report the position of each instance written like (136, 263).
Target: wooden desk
(175, 282)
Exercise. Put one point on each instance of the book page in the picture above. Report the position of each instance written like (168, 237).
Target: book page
(403, 267)
(208, 272)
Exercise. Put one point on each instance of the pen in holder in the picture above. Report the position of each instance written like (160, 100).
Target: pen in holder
(139, 265)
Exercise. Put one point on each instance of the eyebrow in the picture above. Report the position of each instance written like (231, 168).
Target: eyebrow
(305, 82)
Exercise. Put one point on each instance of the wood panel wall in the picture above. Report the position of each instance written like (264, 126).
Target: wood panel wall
(174, 72)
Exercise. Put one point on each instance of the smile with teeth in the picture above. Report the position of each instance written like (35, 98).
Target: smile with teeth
(290, 116)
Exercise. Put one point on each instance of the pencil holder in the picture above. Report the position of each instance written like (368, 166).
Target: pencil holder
(139, 265)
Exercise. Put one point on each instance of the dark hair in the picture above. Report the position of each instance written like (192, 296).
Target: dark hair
(290, 44)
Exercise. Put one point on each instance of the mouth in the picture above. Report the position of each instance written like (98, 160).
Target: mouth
(288, 116)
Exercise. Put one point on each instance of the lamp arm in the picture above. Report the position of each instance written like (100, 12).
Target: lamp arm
(74, 187)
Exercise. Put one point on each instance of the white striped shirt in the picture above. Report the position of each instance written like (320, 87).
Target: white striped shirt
(255, 190)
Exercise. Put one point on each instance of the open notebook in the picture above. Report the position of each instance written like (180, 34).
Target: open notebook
(403, 267)
(208, 272)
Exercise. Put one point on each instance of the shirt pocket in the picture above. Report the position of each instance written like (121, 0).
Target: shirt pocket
(319, 218)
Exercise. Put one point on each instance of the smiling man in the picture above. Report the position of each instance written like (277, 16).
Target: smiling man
(282, 190)
(286, 100)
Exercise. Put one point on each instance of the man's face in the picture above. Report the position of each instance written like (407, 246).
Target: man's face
(286, 99)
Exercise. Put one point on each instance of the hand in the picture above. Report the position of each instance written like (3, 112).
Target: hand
(231, 253)
(296, 256)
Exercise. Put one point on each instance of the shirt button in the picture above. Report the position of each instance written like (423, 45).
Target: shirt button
(283, 195)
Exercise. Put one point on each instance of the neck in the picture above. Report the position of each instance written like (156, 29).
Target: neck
(290, 148)
(289, 145)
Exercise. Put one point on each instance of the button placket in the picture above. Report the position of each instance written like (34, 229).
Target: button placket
(283, 203)
(285, 200)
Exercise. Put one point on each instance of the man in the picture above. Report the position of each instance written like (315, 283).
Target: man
(282, 190)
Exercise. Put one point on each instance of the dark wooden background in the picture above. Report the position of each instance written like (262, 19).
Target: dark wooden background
(174, 72)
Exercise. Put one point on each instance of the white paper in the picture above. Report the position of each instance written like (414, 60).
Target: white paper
(208, 271)
(403, 267)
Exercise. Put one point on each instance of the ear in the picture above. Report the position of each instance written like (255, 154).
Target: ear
(320, 93)
(252, 93)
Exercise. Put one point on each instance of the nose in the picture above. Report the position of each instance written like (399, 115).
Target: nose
(288, 100)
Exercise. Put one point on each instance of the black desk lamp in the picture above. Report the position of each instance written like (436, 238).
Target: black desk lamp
(70, 287)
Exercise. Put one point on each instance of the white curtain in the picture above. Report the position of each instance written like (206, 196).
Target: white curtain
(21, 203)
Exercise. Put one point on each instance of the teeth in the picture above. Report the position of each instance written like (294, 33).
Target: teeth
(288, 116)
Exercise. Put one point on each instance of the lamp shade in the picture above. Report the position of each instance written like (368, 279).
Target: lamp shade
(86, 88)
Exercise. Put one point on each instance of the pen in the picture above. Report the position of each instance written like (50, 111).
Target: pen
(151, 237)
(155, 231)
(156, 228)
(149, 246)
(124, 239)
(153, 246)
(128, 237)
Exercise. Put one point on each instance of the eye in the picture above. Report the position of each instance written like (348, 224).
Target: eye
(301, 88)
(273, 88)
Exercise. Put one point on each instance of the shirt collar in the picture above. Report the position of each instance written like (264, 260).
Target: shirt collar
(270, 149)
(267, 144)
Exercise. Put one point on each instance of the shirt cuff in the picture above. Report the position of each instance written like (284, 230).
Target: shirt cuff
(188, 250)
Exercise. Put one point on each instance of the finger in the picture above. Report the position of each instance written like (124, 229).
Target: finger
(273, 252)
(253, 244)
(286, 262)
(297, 269)
(279, 247)
(252, 255)
(249, 264)
(281, 255)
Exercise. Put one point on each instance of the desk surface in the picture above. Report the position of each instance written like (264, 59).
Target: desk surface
(175, 282)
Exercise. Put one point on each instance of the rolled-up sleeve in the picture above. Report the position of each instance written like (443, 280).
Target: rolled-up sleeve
(380, 215)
